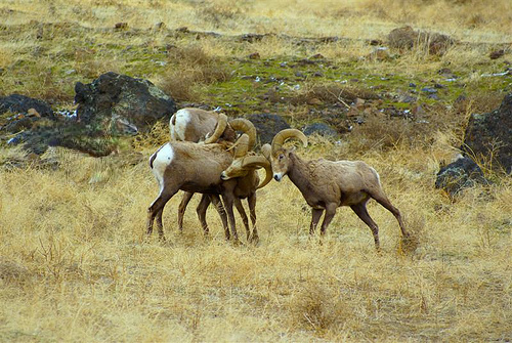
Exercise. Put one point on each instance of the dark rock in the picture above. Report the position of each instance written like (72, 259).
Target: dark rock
(429, 90)
(489, 135)
(438, 43)
(320, 129)
(447, 72)
(17, 103)
(496, 54)
(254, 56)
(114, 98)
(406, 38)
(267, 125)
(121, 26)
(316, 57)
(406, 98)
(251, 37)
(457, 176)
(402, 37)
(25, 123)
(412, 85)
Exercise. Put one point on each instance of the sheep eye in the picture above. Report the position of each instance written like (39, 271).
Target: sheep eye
(281, 157)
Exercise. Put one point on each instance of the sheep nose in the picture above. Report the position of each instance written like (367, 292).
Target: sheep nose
(223, 176)
(277, 177)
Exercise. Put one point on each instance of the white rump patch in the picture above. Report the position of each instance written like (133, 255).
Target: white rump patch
(163, 158)
(183, 117)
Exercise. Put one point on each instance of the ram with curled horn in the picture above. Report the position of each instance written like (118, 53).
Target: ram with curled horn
(327, 185)
(196, 168)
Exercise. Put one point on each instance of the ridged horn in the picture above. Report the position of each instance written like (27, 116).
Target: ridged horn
(244, 125)
(242, 145)
(266, 150)
(283, 135)
(222, 122)
(261, 162)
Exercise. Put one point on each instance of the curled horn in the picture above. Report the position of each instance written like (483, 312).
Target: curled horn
(259, 162)
(242, 146)
(219, 129)
(266, 150)
(283, 135)
(244, 125)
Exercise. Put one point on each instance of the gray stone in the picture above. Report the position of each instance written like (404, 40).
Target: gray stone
(320, 129)
(17, 103)
(267, 125)
(490, 135)
(457, 176)
(114, 98)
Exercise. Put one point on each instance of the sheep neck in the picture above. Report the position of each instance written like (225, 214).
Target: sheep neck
(300, 174)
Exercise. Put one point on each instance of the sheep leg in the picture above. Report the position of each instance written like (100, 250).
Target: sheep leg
(245, 219)
(185, 199)
(362, 213)
(384, 201)
(160, 224)
(228, 202)
(222, 213)
(201, 213)
(316, 213)
(156, 209)
(251, 200)
(330, 211)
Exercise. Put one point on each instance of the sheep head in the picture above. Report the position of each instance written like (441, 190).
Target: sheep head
(243, 164)
(278, 155)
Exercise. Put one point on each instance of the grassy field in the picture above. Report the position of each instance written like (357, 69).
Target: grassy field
(75, 264)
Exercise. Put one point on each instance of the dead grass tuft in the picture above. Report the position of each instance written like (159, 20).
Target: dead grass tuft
(330, 93)
(319, 308)
(189, 68)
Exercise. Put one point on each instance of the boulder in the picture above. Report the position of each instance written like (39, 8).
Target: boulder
(402, 37)
(120, 104)
(17, 103)
(489, 135)
(320, 129)
(406, 38)
(457, 176)
(267, 125)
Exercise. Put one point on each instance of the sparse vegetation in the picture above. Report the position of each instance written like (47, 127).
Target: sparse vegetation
(74, 262)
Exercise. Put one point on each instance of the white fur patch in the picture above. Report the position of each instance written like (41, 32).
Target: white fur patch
(163, 158)
(278, 176)
(183, 117)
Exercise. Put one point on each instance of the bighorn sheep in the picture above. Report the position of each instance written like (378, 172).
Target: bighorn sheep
(194, 125)
(195, 168)
(191, 124)
(327, 185)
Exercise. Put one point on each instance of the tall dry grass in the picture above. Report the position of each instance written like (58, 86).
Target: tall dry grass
(472, 20)
(75, 264)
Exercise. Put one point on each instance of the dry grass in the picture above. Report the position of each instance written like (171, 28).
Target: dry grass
(74, 262)
(73, 253)
(190, 67)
